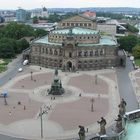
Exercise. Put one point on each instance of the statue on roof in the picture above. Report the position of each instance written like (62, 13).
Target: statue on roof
(70, 31)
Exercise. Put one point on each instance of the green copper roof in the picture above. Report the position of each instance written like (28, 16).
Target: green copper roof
(75, 30)
(104, 40)
(44, 40)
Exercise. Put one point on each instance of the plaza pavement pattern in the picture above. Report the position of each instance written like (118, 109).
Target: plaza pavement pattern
(63, 114)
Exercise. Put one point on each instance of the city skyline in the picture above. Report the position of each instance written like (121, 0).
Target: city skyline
(26, 4)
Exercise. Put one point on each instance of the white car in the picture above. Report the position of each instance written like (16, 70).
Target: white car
(20, 70)
(132, 58)
(25, 62)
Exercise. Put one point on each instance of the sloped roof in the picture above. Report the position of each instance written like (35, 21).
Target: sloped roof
(75, 30)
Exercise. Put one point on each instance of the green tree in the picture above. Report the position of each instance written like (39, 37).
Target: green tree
(40, 32)
(54, 18)
(132, 29)
(136, 51)
(35, 20)
(24, 44)
(6, 50)
(17, 31)
(127, 42)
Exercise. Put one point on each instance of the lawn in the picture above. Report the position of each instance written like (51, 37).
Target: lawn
(3, 64)
(137, 62)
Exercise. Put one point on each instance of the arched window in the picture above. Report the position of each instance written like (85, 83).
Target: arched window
(51, 52)
(96, 52)
(85, 53)
(55, 52)
(70, 54)
(42, 50)
(80, 53)
(46, 51)
(91, 53)
(60, 52)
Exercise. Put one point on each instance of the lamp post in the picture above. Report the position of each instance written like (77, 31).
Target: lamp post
(96, 77)
(31, 75)
(5, 101)
(41, 122)
(92, 101)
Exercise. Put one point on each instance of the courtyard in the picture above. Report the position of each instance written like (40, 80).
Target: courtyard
(61, 114)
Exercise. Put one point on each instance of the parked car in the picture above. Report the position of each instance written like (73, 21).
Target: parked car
(132, 58)
(25, 62)
(20, 70)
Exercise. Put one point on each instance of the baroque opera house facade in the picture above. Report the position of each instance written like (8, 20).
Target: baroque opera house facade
(76, 45)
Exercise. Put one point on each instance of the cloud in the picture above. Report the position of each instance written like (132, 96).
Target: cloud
(30, 4)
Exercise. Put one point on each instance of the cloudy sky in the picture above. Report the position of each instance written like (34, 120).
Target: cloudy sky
(30, 4)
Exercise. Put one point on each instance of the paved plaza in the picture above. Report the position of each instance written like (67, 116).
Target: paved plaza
(61, 114)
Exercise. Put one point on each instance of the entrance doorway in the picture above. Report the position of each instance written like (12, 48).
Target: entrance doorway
(69, 65)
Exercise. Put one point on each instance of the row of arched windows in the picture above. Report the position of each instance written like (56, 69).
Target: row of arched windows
(51, 51)
(76, 24)
(91, 53)
(59, 38)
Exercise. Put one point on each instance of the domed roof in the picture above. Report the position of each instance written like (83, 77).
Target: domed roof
(44, 9)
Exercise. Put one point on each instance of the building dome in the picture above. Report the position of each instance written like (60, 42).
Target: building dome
(44, 9)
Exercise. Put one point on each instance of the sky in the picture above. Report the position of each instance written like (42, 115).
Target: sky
(31, 4)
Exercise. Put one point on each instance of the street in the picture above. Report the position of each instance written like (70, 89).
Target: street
(125, 86)
(12, 70)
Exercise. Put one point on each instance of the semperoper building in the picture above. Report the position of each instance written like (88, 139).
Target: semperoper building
(76, 45)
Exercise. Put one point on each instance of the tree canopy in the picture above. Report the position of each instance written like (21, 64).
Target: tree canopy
(11, 42)
(128, 42)
(132, 29)
(136, 51)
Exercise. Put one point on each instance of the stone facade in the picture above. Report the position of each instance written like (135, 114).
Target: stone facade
(79, 21)
(107, 28)
(75, 48)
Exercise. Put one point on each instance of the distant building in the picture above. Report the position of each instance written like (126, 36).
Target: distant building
(9, 18)
(40, 13)
(90, 14)
(110, 26)
(78, 21)
(76, 45)
(107, 28)
(21, 15)
(44, 12)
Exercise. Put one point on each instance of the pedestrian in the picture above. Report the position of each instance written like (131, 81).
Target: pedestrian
(87, 130)
(24, 107)
(19, 103)
(10, 113)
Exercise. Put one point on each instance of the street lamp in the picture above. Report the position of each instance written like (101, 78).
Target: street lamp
(92, 101)
(96, 77)
(31, 75)
(5, 101)
(41, 122)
